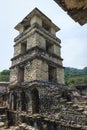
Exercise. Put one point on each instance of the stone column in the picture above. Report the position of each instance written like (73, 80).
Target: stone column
(12, 102)
(19, 101)
(27, 100)
(30, 103)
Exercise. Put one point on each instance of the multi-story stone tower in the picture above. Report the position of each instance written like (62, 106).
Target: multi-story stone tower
(37, 71)
(37, 95)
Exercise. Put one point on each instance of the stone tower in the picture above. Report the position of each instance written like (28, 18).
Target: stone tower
(37, 71)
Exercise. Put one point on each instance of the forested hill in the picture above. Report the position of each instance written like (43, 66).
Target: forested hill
(70, 72)
(75, 76)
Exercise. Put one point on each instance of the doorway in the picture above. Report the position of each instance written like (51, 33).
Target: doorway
(35, 101)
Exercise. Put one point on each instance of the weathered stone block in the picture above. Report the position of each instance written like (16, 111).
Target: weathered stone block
(17, 49)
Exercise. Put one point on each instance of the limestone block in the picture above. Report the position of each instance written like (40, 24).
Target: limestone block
(42, 65)
(56, 50)
(1, 124)
(17, 49)
(38, 70)
(60, 75)
(41, 75)
(36, 19)
(53, 31)
(75, 3)
(40, 41)
(30, 72)
(14, 75)
(31, 41)
(42, 70)
(21, 29)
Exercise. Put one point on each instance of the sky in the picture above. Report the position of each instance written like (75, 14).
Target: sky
(73, 36)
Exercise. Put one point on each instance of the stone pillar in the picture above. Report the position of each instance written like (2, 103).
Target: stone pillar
(12, 101)
(30, 103)
(19, 101)
(27, 99)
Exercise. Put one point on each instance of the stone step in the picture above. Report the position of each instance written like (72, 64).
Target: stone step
(58, 96)
(63, 100)
(2, 124)
(75, 106)
(69, 103)
(80, 109)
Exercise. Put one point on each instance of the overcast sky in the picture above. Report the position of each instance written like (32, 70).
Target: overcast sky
(72, 35)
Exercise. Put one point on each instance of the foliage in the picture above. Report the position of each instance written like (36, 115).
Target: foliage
(75, 76)
(4, 76)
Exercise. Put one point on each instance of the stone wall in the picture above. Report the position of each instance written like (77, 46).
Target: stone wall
(31, 41)
(30, 72)
(4, 87)
(76, 4)
(14, 75)
(17, 49)
(60, 75)
(77, 9)
(44, 124)
(38, 70)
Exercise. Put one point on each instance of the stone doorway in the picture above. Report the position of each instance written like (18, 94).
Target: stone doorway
(23, 101)
(14, 101)
(35, 101)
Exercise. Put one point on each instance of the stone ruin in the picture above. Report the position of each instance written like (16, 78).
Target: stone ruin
(38, 98)
(76, 9)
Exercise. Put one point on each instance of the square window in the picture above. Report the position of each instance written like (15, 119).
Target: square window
(23, 47)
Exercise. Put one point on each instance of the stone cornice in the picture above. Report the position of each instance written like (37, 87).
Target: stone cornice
(36, 83)
(38, 57)
(38, 53)
(35, 28)
(36, 12)
(37, 48)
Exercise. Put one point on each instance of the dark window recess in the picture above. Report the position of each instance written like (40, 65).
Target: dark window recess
(35, 101)
(21, 74)
(24, 102)
(49, 47)
(14, 101)
(52, 74)
(26, 27)
(46, 26)
(23, 47)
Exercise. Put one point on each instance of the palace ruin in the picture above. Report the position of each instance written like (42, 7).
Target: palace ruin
(38, 98)
(76, 9)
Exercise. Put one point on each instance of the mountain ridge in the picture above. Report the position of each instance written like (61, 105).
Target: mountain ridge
(74, 76)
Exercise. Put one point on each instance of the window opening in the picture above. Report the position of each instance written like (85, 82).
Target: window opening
(52, 74)
(49, 47)
(24, 102)
(23, 47)
(14, 101)
(46, 26)
(26, 27)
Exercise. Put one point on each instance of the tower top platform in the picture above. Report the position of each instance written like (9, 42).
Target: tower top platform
(38, 14)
